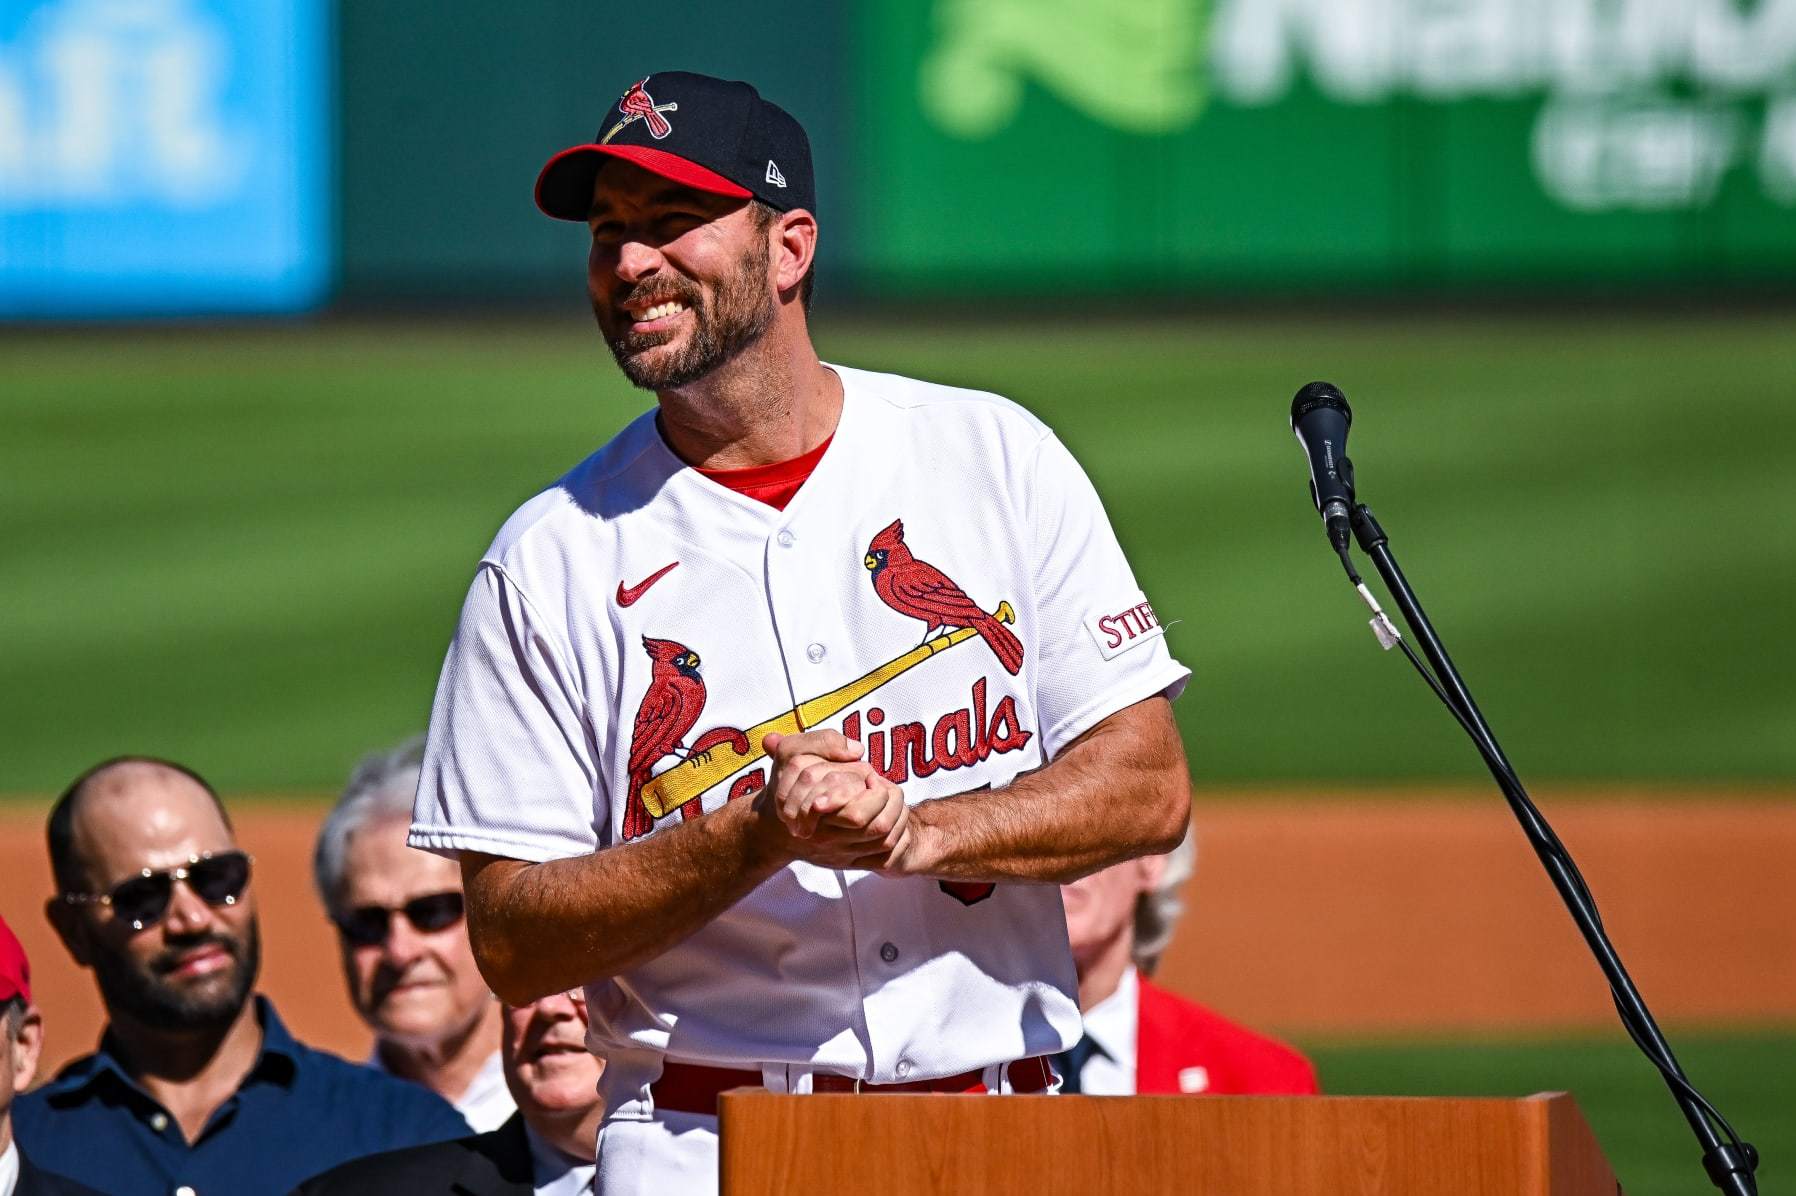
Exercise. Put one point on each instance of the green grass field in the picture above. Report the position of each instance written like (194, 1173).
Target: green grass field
(246, 548)
(1746, 1075)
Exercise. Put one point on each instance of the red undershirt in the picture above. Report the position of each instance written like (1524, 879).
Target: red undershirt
(772, 484)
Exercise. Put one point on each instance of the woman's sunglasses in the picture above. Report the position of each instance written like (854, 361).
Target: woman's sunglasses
(369, 925)
(217, 878)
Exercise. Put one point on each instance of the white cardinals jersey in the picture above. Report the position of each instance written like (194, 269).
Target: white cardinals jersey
(944, 587)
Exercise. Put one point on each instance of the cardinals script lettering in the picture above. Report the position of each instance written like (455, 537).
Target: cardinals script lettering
(959, 739)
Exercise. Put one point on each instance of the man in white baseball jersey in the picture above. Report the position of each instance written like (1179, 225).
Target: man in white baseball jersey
(891, 617)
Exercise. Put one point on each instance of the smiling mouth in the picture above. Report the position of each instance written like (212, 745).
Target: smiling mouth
(203, 962)
(639, 314)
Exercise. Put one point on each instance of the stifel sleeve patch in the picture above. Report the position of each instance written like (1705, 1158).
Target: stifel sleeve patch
(1128, 626)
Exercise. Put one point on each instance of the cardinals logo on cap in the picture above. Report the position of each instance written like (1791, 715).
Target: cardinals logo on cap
(638, 104)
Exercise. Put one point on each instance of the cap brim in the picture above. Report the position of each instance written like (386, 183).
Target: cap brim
(564, 188)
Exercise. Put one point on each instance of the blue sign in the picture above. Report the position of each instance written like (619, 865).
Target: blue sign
(164, 157)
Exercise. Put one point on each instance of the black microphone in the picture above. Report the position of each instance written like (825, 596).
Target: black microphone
(1320, 418)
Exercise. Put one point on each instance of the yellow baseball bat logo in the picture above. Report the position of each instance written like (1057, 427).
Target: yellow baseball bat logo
(700, 773)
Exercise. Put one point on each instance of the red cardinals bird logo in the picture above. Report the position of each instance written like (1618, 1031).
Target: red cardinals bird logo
(638, 104)
(669, 710)
(920, 590)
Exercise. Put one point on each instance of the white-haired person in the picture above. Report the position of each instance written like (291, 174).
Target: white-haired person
(1140, 1038)
(401, 924)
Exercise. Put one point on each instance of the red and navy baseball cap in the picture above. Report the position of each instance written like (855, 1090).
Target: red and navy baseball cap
(15, 969)
(713, 135)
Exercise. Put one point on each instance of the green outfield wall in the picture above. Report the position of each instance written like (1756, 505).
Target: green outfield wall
(446, 113)
(1018, 146)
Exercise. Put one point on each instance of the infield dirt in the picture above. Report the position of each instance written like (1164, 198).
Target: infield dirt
(1352, 915)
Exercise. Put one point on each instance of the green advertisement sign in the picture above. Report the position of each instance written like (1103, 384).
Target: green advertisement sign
(1012, 145)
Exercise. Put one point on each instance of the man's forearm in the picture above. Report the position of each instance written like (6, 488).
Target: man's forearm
(1121, 790)
(543, 928)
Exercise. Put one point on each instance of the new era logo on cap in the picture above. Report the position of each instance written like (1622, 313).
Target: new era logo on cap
(710, 134)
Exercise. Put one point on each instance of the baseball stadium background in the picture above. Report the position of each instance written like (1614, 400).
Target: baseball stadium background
(282, 340)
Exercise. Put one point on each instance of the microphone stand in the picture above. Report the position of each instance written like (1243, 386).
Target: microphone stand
(1730, 1163)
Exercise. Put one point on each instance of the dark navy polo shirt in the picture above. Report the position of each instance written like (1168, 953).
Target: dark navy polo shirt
(298, 1112)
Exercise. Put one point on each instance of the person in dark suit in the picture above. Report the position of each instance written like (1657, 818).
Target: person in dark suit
(1140, 1038)
(21, 1041)
(546, 1149)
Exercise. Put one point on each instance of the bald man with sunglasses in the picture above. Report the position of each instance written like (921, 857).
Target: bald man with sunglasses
(196, 1088)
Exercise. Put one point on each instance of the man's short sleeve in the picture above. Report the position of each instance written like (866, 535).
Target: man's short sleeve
(509, 766)
(1101, 645)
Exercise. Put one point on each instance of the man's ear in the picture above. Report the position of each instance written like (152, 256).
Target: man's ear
(1151, 869)
(27, 1048)
(795, 249)
(71, 928)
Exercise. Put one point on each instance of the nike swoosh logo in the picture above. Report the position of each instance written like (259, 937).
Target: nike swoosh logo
(627, 595)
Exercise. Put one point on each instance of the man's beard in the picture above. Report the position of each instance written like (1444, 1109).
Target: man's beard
(744, 311)
(141, 991)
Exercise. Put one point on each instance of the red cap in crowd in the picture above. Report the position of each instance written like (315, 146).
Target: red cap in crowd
(15, 969)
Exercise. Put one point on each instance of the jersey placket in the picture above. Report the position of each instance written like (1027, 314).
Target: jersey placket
(803, 601)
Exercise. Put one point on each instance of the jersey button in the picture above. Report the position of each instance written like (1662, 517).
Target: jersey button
(184, 1190)
(785, 538)
(158, 1121)
(903, 1068)
(889, 953)
(816, 652)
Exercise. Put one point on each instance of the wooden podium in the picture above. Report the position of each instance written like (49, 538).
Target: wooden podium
(1143, 1145)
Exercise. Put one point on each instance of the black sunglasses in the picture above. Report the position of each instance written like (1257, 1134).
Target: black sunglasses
(217, 878)
(369, 925)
